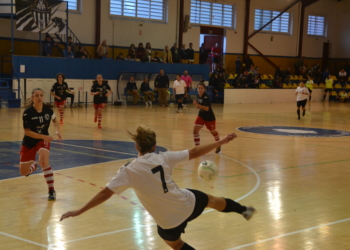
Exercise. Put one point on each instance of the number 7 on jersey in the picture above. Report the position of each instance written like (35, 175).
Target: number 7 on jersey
(161, 170)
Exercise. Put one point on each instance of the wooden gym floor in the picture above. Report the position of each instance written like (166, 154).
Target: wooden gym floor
(299, 185)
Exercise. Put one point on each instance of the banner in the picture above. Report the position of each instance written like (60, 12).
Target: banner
(46, 16)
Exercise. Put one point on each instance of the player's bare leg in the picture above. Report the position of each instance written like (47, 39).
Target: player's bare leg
(217, 138)
(95, 113)
(27, 168)
(298, 112)
(99, 117)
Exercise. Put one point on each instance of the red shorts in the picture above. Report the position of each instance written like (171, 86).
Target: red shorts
(210, 125)
(99, 106)
(60, 103)
(28, 154)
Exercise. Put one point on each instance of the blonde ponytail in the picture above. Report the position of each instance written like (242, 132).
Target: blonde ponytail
(145, 139)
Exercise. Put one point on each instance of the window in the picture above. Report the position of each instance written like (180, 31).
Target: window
(316, 26)
(211, 13)
(281, 24)
(73, 4)
(148, 9)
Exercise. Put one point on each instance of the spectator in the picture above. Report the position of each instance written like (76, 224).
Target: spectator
(128, 58)
(342, 75)
(132, 52)
(71, 44)
(188, 80)
(68, 53)
(148, 51)
(343, 96)
(277, 83)
(132, 90)
(318, 76)
(221, 70)
(241, 81)
(81, 53)
(119, 57)
(102, 49)
(279, 73)
(215, 82)
(106, 57)
(269, 82)
(156, 58)
(141, 53)
(256, 82)
(167, 57)
(238, 65)
(298, 63)
(161, 84)
(286, 75)
(248, 63)
(147, 92)
(329, 86)
(325, 75)
(190, 54)
(48, 45)
(183, 54)
(175, 53)
(203, 54)
(216, 56)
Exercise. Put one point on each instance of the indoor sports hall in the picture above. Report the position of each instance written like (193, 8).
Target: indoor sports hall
(294, 172)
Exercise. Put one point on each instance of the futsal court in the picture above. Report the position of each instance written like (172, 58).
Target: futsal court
(294, 172)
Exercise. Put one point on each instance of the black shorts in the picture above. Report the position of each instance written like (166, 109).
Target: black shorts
(174, 234)
(301, 103)
(179, 97)
(215, 59)
(310, 90)
(328, 90)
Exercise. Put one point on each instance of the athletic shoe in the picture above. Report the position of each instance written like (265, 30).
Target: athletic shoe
(146, 103)
(150, 103)
(99, 125)
(304, 112)
(61, 121)
(36, 167)
(184, 105)
(218, 149)
(95, 119)
(73, 106)
(180, 111)
(249, 213)
(52, 195)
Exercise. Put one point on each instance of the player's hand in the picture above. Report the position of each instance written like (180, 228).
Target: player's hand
(195, 102)
(228, 138)
(59, 135)
(47, 138)
(70, 214)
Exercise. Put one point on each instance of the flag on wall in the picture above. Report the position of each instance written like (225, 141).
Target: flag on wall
(46, 16)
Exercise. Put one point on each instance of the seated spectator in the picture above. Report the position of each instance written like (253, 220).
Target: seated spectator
(221, 70)
(68, 53)
(190, 54)
(302, 70)
(106, 57)
(325, 75)
(48, 45)
(279, 72)
(156, 58)
(287, 75)
(216, 83)
(132, 90)
(148, 51)
(102, 49)
(343, 96)
(342, 75)
(256, 82)
(277, 84)
(128, 58)
(71, 44)
(175, 53)
(183, 54)
(241, 81)
(141, 53)
(147, 91)
(256, 71)
(167, 56)
(269, 82)
(132, 52)
(81, 53)
(119, 57)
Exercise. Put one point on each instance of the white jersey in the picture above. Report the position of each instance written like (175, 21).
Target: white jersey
(301, 91)
(150, 177)
(179, 87)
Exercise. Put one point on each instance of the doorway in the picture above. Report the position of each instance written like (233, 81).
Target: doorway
(210, 36)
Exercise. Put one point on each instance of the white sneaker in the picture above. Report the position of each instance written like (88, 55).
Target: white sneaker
(184, 105)
(150, 103)
(180, 110)
(248, 213)
(146, 103)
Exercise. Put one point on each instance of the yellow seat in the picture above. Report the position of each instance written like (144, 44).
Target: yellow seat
(337, 86)
(334, 93)
(290, 86)
(230, 76)
(295, 85)
(322, 86)
(316, 86)
(296, 77)
(235, 76)
(285, 86)
(347, 86)
(334, 78)
(264, 77)
(227, 86)
(271, 77)
(301, 77)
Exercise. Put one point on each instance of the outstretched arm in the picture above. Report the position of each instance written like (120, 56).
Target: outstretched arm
(203, 149)
(99, 198)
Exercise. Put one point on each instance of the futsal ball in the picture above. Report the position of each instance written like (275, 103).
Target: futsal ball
(208, 170)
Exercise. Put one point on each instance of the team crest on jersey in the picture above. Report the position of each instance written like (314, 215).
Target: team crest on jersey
(47, 117)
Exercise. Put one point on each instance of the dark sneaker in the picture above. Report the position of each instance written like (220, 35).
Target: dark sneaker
(36, 167)
(304, 112)
(52, 195)
(247, 214)
(218, 149)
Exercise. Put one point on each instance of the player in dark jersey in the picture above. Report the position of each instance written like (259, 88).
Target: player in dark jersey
(59, 92)
(100, 90)
(36, 122)
(205, 116)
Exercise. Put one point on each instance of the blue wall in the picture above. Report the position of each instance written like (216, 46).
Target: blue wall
(48, 67)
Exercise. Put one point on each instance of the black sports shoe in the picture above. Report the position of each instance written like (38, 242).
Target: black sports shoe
(304, 112)
(247, 214)
(218, 149)
(52, 195)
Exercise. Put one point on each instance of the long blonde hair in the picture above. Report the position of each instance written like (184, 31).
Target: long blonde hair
(29, 101)
(145, 139)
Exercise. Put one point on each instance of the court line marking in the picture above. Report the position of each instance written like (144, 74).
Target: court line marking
(21, 239)
(288, 234)
(104, 150)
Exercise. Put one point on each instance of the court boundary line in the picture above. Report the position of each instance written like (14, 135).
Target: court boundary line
(288, 234)
(22, 239)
